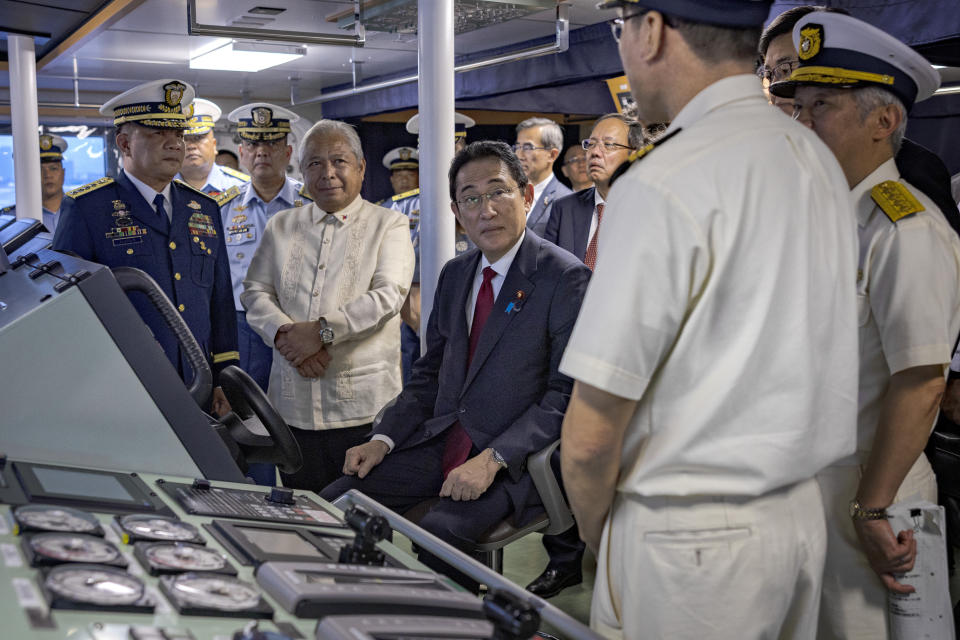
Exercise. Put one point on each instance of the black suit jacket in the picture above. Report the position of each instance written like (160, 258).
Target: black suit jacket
(569, 223)
(513, 397)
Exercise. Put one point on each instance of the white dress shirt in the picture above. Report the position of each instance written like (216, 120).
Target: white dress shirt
(149, 194)
(724, 303)
(353, 268)
(594, 220)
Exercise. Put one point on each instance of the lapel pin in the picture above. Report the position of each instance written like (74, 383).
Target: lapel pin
(517, 302)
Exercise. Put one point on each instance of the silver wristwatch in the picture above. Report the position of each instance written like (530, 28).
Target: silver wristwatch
(326, 332)
(499, 459)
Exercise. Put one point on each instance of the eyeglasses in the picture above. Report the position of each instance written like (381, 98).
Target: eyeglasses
(497, 196)
(590, 143)
(526, 147)
(576, 160)
(779, 71)
(616, 25)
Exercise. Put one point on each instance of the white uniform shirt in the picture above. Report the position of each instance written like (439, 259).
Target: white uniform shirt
(908, 294)
(220, 179)
(724, 301)
(354, 269)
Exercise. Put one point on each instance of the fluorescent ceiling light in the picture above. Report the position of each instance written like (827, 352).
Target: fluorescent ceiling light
(246, 56)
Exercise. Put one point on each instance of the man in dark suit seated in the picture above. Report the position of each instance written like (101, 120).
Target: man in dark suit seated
(487, 392)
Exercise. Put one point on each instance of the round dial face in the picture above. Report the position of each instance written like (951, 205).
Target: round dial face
(45, 518)
(184, 557)
(95, 585)
(158, 528)
(69, 547)
(226, 594)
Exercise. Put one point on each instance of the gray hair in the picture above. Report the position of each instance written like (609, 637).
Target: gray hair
(327, 127)
(635, 137)
(551, 135)
(870, 98)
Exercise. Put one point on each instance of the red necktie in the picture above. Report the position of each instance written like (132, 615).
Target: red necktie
(456, 450)
(591, 258)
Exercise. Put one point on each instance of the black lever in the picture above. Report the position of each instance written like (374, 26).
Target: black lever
(370, 530)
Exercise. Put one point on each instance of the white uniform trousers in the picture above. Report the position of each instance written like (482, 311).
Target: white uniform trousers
(699, 567)
(854, 601)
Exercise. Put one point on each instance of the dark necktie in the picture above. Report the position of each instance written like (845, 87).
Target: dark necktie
(456, 450)
(161, 211)
(591, 258)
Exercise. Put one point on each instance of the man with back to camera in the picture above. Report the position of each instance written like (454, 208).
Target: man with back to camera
(324, 290)
(199, 168)
(854, 86)
(148, 220)
(486, 393)
(538, 145)
(52, 148)
(716, 357)
(575, 168)
(574, 225)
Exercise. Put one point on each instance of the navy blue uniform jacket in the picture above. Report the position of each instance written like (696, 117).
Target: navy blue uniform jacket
(109, 222)
(513, 396)
(569, 224)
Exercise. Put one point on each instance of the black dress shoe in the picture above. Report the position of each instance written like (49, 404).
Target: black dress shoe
(552, 581)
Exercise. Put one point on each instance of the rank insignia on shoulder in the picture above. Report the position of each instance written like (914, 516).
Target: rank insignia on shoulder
(406, 194)
(227, 196)
(640, 153)
(90, 187)
(197, 191)
(298, 202)
(895, 200)
(193, 204)
(305, 194)
(8, 209)
(236, 174)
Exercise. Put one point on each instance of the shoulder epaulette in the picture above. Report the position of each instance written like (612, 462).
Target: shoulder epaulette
(641, 152)
(406, 194)
(8, 209)
(202, 193)
(240, 175)
(895, 200)
(228, 195)
(306, 194)
(87, 188)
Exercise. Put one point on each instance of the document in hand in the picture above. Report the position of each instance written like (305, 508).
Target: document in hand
(925, 613)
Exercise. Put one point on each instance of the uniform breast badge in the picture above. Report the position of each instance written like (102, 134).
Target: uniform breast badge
(193, 204)
(126, 231)
(201, 224)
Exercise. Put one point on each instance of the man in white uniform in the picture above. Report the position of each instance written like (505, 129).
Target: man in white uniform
(853, 87)
(199, 168)
(716, 350)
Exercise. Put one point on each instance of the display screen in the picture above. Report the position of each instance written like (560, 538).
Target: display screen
(81, 484)
(280, 542)
(420, 583)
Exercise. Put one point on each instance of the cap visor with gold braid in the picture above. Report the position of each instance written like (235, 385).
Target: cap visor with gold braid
(842, 52)
(160, 104)
(262, 122)
(204, 118)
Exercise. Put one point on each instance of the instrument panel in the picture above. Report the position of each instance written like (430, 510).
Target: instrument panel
(99, 555)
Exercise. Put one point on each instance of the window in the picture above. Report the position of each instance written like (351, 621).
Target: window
(83, 162)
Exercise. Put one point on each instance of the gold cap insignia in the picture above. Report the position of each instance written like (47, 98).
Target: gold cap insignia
(404, 154)
(262, 116)
(46, 142)
(173, 93)
(811, 39)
